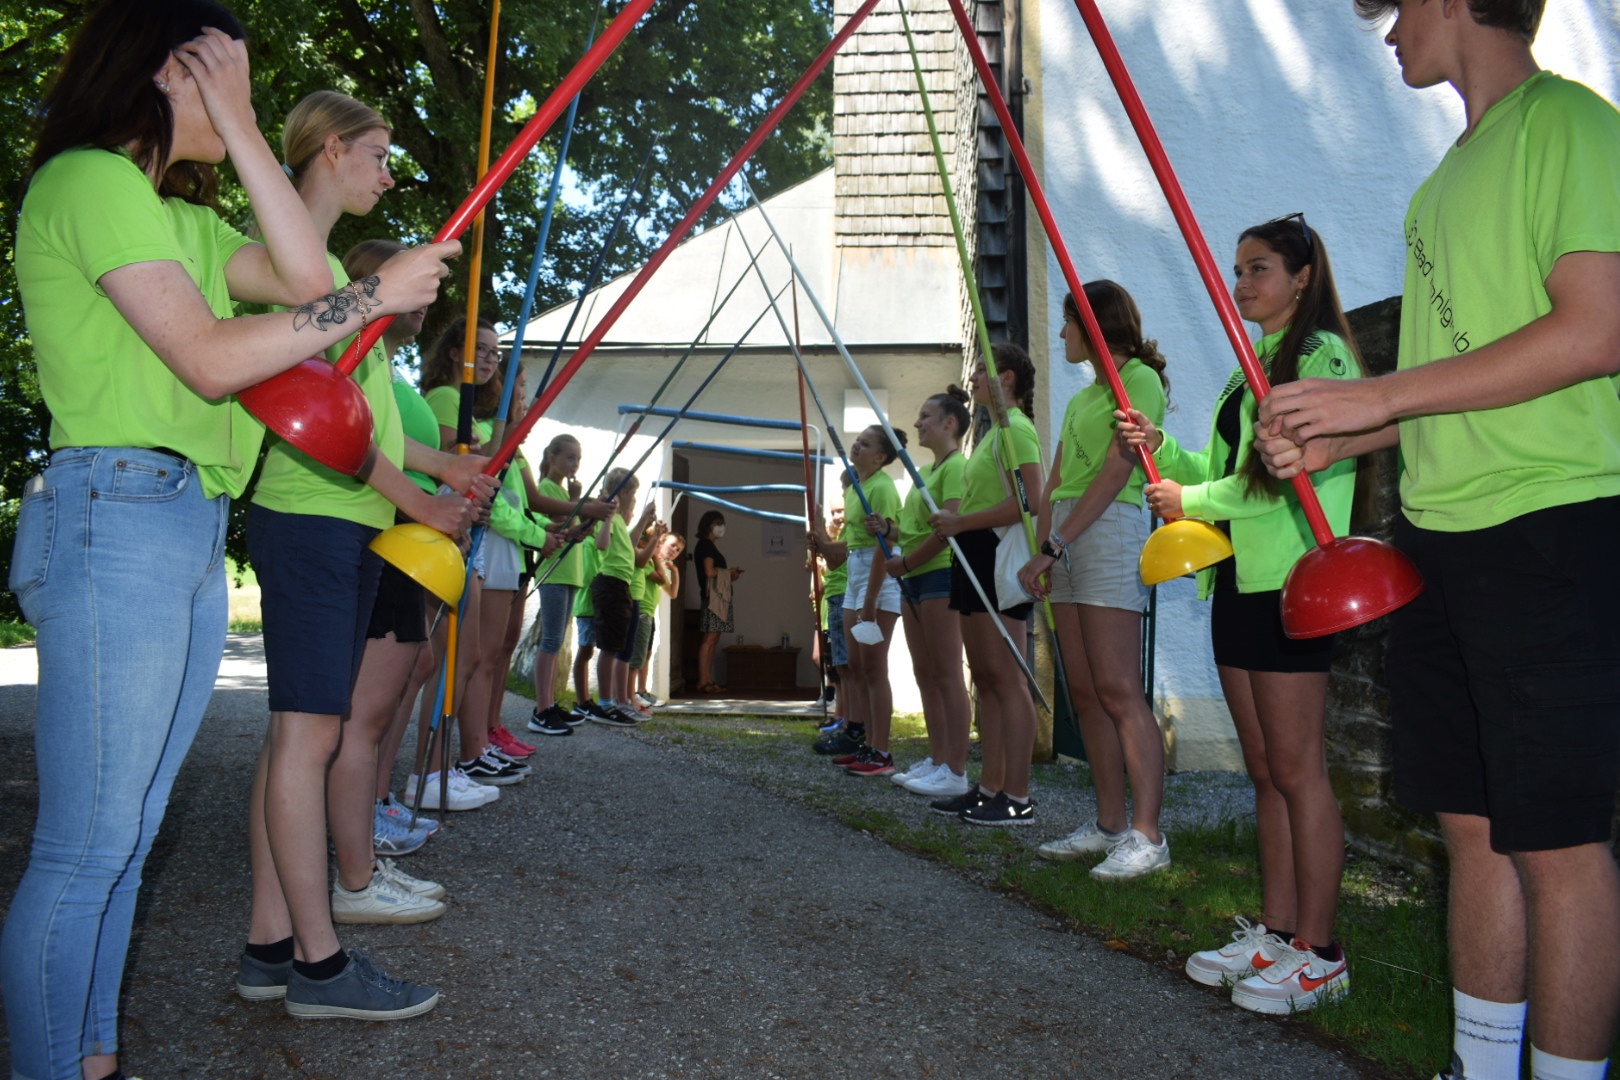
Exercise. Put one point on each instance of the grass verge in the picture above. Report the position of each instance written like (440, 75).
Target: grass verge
(15, 632)
(1393, 927)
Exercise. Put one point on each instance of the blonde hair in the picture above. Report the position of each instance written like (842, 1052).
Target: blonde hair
(617, 475)
(323, 113)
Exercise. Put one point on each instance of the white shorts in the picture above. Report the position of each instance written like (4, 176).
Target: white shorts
(1102, 568)
(860, 565)
(503, 562)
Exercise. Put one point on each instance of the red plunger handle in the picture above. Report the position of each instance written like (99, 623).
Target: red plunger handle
(521, 431)
(1094, 334)
(1224, 307)
(553, 107)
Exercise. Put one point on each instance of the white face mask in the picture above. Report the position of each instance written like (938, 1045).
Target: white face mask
(718, 531)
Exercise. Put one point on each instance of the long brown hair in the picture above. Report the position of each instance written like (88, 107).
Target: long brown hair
(105, 93)
(1120, 321)
(440, 369)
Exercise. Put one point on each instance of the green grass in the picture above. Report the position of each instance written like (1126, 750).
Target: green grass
(246, 626)
(1393, 927)
(15, 632)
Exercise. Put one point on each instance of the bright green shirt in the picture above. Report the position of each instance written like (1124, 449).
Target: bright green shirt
(88, 212)
(292, 482)
(650, 590)
(1088, 431)
(1269, 532)
(417, 419)
(572, 569)
(584, 608)
(619, 557)
(984, 481)
(506, 514)
(944, 482)
(884, 499)
(1535, 181)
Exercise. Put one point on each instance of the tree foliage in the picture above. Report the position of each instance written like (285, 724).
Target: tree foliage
(695, 77)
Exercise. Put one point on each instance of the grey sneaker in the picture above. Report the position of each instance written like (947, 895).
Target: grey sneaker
(259, 981)
(1088, 839)
(359, 992)
(418, 886)
(1133, 857)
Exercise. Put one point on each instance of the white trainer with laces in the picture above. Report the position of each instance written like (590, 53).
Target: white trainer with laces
(383, 902)
(917, 771)
(1252, 949)
(1299, 980)
(415, 885)
(464, 794)
(1088, 839)
(942, 783)
(1133, 857)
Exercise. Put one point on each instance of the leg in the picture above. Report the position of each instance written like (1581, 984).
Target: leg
(350, 781)
(299, 747)
(486, 682)
(928, 682)
(874, 664)
(1113, 640)
(1279, 904)
(943, 644)
(1096, 726)
(706, 648)
(1572, 899)
(556, 606)
(1292, 710)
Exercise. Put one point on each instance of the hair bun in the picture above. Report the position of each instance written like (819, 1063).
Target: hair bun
(959, 394)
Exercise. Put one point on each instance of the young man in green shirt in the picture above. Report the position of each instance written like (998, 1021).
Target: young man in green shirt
(1505, 675)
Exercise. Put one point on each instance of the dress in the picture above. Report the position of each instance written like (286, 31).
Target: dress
(709, 622)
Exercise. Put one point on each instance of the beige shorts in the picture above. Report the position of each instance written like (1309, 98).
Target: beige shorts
(1101, 570)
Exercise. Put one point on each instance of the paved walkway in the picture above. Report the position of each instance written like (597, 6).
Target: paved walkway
(629, 914)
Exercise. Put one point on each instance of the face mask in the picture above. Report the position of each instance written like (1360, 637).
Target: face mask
(718, 531)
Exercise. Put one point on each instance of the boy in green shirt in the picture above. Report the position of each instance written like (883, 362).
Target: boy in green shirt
(1505, 675)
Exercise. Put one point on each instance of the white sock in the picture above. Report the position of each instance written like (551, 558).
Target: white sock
(1545, 1066)
(1486, 1037)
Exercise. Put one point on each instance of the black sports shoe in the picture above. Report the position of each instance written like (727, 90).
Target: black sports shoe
(549, 722)
(483, 770)
(953, 806)
(841, 741)
(1000, 811)
(613, 716)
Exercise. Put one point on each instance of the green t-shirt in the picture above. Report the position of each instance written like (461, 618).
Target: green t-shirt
(583, 607)
(884, 498)
(944, 482)
(1088, 430)
(650, 590)
(984, 483)
(1535, 181)
(572, 569)
(88, 212)
(418, 422)
(292, 482)
(619, 557)
(506, 514)
(1269, 532)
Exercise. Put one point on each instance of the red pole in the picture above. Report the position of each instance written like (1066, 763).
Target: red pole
(553, 107)
(516, 436)
(1015, 142)
(1196, 244)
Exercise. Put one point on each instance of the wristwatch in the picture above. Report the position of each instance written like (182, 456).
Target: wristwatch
(1049, 551)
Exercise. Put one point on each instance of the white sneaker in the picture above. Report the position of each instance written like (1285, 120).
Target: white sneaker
(1299, 980)
(942, 783)
(917, 771)
(401, 813)
(1088, 839)
(382, 901)
(464, 794)
(1133, 857)
(1252, 949)
(414, 885)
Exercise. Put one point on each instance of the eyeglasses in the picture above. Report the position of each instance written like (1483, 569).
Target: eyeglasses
(1310, 245)
(486, 352)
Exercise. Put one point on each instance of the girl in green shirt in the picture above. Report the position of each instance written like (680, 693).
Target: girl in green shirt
(1276, 687)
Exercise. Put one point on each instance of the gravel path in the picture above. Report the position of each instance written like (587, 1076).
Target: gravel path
(638, 910)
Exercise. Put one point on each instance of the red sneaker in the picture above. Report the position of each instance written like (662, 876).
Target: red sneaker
(844, 761)
(509, 745)
(874, 763)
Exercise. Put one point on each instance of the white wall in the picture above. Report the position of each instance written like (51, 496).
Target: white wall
(1265, 107)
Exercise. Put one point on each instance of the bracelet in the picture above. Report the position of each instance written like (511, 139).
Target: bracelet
(360, 305)
(903, 565)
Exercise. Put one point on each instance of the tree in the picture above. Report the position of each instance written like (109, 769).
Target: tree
(695, 75)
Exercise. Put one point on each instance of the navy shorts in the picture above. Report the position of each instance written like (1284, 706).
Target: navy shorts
(1504, 676)
(400, 608)
(933, 585)
(317, 582)
(615, 614)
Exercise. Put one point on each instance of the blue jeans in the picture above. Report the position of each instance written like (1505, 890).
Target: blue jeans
(119, 565)
(556, 602)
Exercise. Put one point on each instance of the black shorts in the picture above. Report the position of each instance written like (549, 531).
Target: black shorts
(1504, 676)
(400, 608)
(615, 614)
(1247, 632)
(979, 548)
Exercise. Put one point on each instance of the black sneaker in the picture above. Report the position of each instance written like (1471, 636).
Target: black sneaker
(953, 806)
(485, 771)
(613, 716)
(550, 722)
(583, 711)
(1000, 811)
(841, 742)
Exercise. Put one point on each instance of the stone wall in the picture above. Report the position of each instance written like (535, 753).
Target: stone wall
(1358, 696)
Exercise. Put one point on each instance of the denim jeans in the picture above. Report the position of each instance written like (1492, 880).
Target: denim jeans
(556, 603)
(119, 565)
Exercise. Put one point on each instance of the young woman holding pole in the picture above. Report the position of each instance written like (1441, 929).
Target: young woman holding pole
(1095, 524)
(1275, 686)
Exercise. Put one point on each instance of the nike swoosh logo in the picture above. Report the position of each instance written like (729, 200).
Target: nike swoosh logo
(1308, 984)
(1259, 962)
